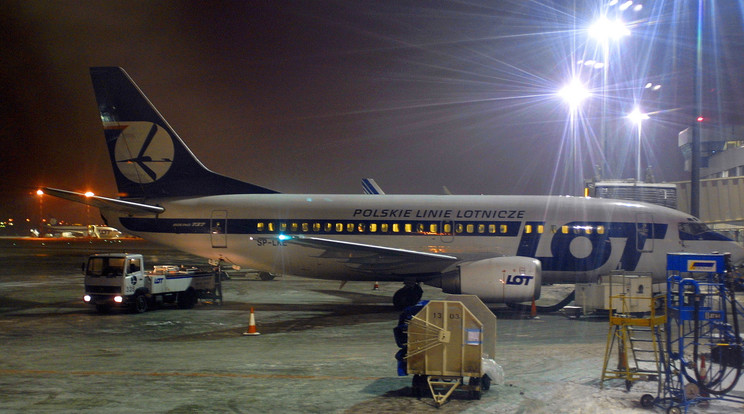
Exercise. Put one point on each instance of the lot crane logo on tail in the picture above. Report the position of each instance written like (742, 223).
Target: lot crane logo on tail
(144, 151)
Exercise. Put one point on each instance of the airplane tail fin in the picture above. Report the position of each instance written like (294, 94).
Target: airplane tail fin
(148, 157)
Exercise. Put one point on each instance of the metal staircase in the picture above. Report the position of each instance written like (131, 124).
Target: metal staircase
(636, 338)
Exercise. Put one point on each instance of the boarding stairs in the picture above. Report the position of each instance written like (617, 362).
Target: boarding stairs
(634, 340)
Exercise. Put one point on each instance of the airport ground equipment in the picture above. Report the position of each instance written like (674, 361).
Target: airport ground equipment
(703, 357)
(637, 338)
(443, 347)
(595, 297)
(120, 280)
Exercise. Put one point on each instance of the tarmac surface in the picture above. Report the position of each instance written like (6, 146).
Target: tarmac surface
(322, 349)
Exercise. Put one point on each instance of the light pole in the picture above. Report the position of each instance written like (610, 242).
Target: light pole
(603, 31)
(573, 94)
(637, 117)
(40, 195)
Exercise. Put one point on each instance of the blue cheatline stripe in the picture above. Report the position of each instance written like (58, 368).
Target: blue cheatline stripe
(327, 227)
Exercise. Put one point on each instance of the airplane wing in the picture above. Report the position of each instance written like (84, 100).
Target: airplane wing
(379, 260)
(104, 202)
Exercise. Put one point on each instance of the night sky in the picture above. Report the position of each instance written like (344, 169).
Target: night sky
(312, 96)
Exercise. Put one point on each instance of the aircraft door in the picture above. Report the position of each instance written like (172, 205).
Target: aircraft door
(644, 232)
(218, 228)
(447, 231)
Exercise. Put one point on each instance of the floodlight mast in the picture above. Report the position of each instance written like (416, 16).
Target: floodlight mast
(603, 31)
(637, 117)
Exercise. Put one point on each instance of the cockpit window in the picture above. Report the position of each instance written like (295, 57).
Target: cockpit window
(693, 228)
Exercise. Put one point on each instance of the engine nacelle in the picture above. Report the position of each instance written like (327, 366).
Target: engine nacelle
(499, 279)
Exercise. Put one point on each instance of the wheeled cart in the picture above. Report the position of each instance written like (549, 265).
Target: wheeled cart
(445, 344)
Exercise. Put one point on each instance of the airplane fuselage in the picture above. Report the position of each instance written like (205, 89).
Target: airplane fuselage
(576, 239)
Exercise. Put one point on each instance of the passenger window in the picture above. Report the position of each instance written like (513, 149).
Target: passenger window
(294, 227)
(564, 229)
(339, 227)
(361, 227)
(492, 228)
(433, 228)
(470, 228)
(408, 227)
(384, 227)
(447, 228)
(373, 227)
(600, 229)
(419, 227)
(282, 227)
(271, 226)
(458, 228)
(481, 228)
(305, 227)
(316, 227)
(528, 228)
(540, 228)
(396, 228)
(350, 227)
(259, 226)
(328, 227)
(503, 228)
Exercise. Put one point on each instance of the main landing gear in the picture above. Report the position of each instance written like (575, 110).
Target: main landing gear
(409, 295)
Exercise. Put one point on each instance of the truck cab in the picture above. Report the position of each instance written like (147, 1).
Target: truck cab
(116, 279)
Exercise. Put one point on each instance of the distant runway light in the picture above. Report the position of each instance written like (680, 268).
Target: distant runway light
(39, 192)
(89, 194)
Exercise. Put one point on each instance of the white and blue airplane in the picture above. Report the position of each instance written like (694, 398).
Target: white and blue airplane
(500, 248)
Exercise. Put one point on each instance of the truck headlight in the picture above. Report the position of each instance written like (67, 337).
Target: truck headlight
(86, 298)
(118, 299)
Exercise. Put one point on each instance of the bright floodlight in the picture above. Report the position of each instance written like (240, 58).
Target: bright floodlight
(39, 192)
(574, 93)
(637, 116)
(604, 29)
(89, 194)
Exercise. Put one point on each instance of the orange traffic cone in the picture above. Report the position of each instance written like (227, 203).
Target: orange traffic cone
(251, 326)
(533, 309)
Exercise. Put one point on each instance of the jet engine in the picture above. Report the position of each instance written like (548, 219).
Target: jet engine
(499, 279)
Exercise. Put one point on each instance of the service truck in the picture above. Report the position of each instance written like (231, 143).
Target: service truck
(120, 280)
